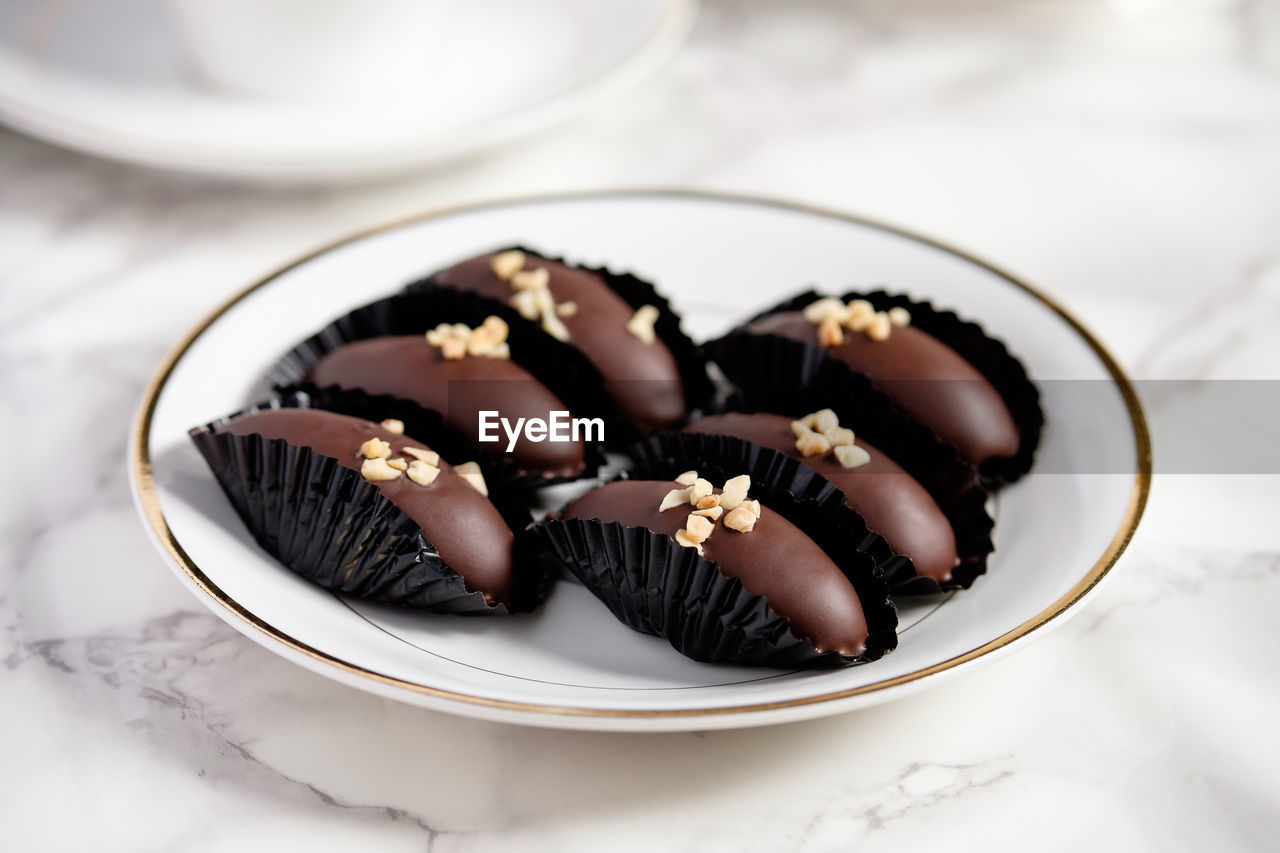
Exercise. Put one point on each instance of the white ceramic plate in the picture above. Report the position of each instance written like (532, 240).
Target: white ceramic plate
(111, 77)
(571, 664)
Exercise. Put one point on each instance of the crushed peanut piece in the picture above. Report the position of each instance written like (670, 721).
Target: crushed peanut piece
(687, 478)
(700, 489)
(428, 456)
(731, 498)
(567, 309)
(393, 425)
(800, 428)
(861, 313)
(826, 308)
(641, 323)
(839, 436)
(711, 512)
(526, 303)
(423, 473)
(470, 471)
(741, 519)
(698, 527)
(535, 279)
(829, 333)
(899, 316)
(552, 325)
(453, 349)
(675, 497)
(375, 448)
(880, 327)
(682, 538)
(506, 264)
(740, 483)
(398, 463)
(812, 444)
(822, 420)
(708, 501)
(376, 470)
(851, 456)
(752, 506)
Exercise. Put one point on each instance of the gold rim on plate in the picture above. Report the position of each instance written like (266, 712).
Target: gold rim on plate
(144, 480)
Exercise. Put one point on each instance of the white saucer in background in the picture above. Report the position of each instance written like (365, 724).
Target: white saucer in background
(109, 77)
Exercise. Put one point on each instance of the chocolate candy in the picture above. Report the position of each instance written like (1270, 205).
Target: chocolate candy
(465, 528)
(776, 561)
(640, 372)
(922, 376)
(409, 367)
(891, 501)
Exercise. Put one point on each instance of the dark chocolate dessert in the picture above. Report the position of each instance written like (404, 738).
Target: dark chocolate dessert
(458, 372)
(575, 305)
(363, 509)
(893, 503)
(922, 376)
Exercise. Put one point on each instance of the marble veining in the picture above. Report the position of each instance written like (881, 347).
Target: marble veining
(1121, 155)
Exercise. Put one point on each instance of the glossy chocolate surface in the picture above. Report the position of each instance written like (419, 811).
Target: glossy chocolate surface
(892, 502)
(925, 378)
(408, 367)
(460, 522)
(776, 561)
(642, 378)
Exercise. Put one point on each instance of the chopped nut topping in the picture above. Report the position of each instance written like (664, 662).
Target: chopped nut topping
(453, 349)
(428, 456)
(553, 326)
(507, 264)
(851, 456)
(567, 309)
(880, 328)
(741, 519)
(641, 323)
(376, 470)
(682, 538)
(393, 425)
(829, 333)
(711, 512)
(687, 478)
(700, 489)
(742, 483)
(861, 313)
(675, 497)
(839, 436)
(800, 429)
(470, 471)
(752, 506)
(375, 448)
(827, 308)
(812, 444)
(829, 315)
(731, 499)
(708, 501)
(456, 340)
(423, 473)
(822, 420)
(698, 528)
(398, 463)
(526, 303)
(535, 279)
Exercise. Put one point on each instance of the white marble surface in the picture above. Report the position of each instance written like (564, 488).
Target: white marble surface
(1125, 156)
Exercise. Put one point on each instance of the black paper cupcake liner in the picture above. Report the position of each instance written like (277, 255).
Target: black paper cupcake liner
(328, 525)
(655, 586)
(415, 313)
(989, 356)
(690, 359)
(934, 465)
